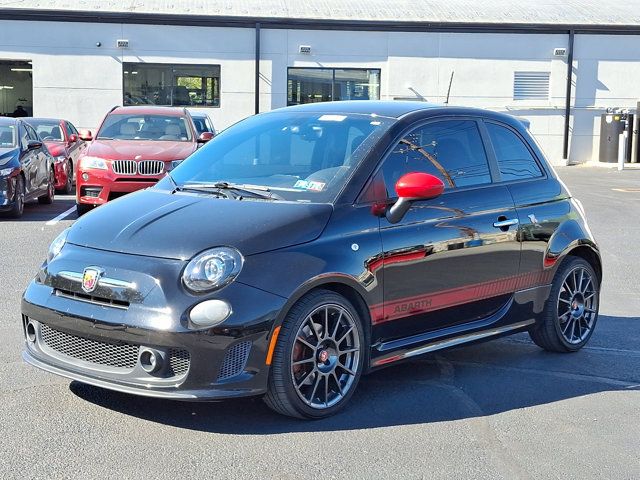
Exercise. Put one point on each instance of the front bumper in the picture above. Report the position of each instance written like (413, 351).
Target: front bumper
(226, 361)
(104, 185)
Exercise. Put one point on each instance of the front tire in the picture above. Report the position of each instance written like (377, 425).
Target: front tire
(81, 208)
(318, 358)
(571, 312)
(47, 199)
(68, 187)
(18, 202)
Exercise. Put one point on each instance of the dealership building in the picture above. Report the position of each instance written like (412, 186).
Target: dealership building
(557, 64)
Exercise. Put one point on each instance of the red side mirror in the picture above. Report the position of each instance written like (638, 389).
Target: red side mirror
(86, 135)
(205, 137)
(73, 138)
(419, 186)
(411, 187)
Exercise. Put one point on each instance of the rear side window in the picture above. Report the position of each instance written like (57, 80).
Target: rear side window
(514, 158)
(452, 150)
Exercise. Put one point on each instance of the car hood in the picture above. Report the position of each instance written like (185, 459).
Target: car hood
(7, 154)
(157, 223)
(142, 149)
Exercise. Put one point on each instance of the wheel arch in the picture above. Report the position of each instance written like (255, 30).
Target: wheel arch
(573, 238)
(343, 285)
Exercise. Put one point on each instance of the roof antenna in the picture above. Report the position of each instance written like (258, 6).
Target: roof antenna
(446, 102)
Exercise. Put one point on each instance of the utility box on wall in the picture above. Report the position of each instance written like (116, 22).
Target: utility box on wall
(612, 125)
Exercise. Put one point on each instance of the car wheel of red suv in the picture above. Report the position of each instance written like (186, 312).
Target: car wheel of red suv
(51, 190)
(68, 187)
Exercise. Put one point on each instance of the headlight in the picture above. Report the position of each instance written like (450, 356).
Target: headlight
(5, 172)
(175, 163)
(93, 162)
(212, 269)
(56, 246)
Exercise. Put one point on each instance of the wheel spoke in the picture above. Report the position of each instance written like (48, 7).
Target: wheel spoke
(566, 287)
(579, 288)
(326, 390)
(348, 350)
(315, 387)
(335, 378)
(568, 302)
(565, 329)
(304, 379)
(302, 362)
(304, 342)
(325, 334)
(346, 369)
(338, 342)
(335, 329)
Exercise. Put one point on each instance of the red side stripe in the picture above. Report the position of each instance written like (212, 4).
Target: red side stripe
(405, 307)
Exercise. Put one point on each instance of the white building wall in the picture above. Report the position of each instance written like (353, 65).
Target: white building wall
(74, 79)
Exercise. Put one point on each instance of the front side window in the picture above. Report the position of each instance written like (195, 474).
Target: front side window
(312, 85)
(514, 158)
(171, 85)
(451, 150)
(305, 157)
(145, 127)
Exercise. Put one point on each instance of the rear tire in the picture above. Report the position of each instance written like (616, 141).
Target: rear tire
(318, 358)
(81, 208)
(47, 199)
(18, 203)
(571, 311)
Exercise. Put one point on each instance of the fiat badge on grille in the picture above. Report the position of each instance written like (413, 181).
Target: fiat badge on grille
(90, 278)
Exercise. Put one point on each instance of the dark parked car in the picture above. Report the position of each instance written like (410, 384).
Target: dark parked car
(203, 123)
(26, 167)
(304, 247)
(64, 143)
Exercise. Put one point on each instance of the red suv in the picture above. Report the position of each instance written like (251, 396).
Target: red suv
(133, 149)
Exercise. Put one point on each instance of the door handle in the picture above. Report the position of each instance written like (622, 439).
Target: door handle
(504, 222)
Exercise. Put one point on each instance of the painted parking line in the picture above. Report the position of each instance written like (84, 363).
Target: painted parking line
(64, 214)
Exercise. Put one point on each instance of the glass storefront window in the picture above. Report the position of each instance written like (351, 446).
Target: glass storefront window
(311, 85)
(171, 85)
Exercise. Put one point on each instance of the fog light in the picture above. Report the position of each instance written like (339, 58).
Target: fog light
(85, 177)
(31, 332)
(210, 313)
(150, 361)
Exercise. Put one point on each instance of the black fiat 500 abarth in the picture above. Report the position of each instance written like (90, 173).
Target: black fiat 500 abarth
(304, 247)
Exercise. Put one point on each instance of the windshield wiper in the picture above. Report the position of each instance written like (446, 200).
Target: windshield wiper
(240, 190)
(208, 188)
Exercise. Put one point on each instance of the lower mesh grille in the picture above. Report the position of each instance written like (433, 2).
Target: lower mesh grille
(122, 356)
(179, 361)
(234, 360)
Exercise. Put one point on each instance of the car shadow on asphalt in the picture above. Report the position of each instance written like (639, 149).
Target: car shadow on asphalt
(35, 212)
(468, 382)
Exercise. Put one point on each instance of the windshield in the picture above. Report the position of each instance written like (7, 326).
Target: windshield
(145, 127)
(300, 156)
(48, 131)
(8, 136)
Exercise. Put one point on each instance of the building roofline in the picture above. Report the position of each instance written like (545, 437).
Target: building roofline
(311, 24)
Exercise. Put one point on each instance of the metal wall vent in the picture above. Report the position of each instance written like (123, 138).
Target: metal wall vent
(531, 85)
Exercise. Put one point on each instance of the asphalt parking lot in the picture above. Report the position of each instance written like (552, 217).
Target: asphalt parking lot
(503, 409)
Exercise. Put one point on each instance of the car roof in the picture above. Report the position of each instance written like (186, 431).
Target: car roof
(42, 119)
(199, 114)
(399, 109)
(149, 110)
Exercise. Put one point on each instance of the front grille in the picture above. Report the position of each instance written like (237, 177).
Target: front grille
(234, 360)
(123, 355)
(83, 297)
(124, 167)
(150, 167)
(143, 167)
(179, 361)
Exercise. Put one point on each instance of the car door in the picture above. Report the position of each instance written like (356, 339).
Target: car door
(536, 197)
(29, 161)
(75, 148)
(453, 259)
(42, 160)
